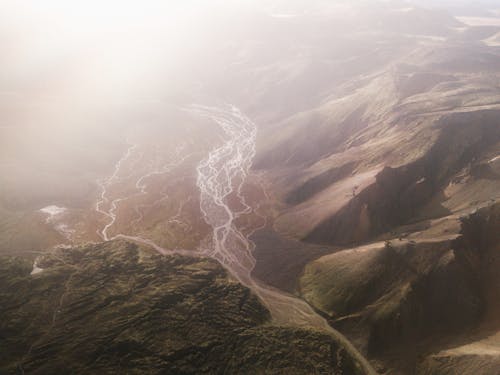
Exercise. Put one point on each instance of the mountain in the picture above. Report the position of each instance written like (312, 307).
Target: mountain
(320, 180)
(114, 307)
(386, 176)
(402, 298)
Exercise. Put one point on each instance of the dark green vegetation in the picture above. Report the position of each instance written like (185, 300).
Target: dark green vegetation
(106, 308)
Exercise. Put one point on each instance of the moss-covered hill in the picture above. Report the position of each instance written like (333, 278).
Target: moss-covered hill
(115, 308)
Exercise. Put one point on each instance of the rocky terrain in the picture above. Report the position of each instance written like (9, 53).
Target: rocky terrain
(362, 191)
(116, 307)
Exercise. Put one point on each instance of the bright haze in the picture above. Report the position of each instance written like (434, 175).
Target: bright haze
(340, 159)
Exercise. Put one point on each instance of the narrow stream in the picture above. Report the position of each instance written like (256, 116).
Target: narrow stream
(221, 177)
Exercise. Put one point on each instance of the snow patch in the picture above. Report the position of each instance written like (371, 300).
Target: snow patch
(53, 210)
(36, 270)
(54, 217)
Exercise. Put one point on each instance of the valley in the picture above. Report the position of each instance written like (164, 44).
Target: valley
(275, 179)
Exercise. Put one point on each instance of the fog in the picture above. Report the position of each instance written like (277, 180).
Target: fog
(340, 159)
(75, 77)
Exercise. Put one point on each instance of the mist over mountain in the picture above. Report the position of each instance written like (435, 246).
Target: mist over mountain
(250, 187)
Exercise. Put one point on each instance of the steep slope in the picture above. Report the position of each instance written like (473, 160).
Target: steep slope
(398, 193)
(369, 141)
(109, 307)
(404, 299)
(385, 175)
(478, 249)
